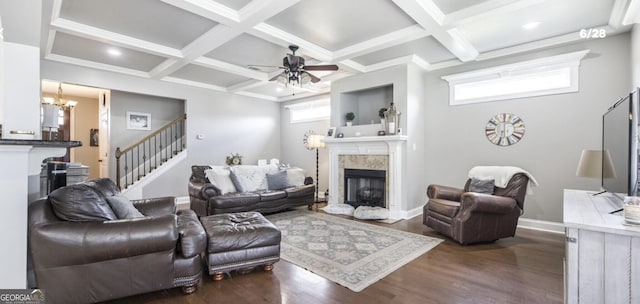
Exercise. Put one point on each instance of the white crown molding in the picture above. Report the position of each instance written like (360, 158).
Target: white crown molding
(617, 13)
(230, 68)
(208, 9)
(306, 47)
(485, 10)
(96, 65)
(256, 95)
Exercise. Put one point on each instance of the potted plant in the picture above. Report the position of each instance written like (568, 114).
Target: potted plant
(350, 117)
(381, 114)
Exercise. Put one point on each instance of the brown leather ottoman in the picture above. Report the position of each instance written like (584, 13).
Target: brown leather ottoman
(240, 241)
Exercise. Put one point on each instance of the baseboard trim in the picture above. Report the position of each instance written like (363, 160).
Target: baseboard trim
(539, 225)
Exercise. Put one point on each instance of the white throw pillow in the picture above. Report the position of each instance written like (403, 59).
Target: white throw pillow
(296, 176)
(251, 177)
(219, 177)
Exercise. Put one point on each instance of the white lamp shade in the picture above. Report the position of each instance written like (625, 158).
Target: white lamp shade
(315, 141)
(50, 116)
(591, 164)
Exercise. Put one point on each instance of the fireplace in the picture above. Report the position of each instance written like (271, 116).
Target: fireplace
(365, 187)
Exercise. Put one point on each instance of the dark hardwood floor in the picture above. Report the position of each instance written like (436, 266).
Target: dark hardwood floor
(527, 268)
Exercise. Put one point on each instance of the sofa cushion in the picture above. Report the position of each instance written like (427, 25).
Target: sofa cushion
(271, 195)
(220, 177)
(123, 207)
(278, 180)
(105, 186)
(80, 203)
(300, 191)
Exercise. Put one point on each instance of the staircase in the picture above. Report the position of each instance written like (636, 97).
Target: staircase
(151, 153)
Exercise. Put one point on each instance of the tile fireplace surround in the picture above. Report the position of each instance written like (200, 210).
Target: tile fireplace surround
(368, 152)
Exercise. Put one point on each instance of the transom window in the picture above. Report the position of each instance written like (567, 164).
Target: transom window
(319, 109)
(545, 76)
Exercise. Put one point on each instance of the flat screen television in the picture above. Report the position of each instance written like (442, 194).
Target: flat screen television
(620, 146)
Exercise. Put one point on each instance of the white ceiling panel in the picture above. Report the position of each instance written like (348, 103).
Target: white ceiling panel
(336, 24)
(86, 49)
(201, 74)
(428, 49)
(563, 17)
(247, 50)
(149, 20)
(450, 6)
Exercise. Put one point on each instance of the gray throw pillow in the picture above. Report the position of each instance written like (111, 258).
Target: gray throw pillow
(236, 182)
(278, 180)
(482, 185)
(123, 208)
(80, 203)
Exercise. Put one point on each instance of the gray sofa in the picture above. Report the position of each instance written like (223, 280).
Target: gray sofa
(206, 199)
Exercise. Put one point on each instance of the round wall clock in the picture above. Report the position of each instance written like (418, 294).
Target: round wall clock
(504, 129)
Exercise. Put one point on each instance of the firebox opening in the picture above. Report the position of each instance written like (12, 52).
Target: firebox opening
(365, 187)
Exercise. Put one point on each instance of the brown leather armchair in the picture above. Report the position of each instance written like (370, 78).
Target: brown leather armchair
(83, 253)
(470, 217)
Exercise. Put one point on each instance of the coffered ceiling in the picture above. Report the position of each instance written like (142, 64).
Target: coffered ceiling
(210, 44)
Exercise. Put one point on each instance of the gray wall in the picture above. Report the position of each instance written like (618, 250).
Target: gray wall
(293, 151)
(558, 127)
(229, 123)
(163, 111)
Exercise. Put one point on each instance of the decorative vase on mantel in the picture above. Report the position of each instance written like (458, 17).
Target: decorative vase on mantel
(392, 118)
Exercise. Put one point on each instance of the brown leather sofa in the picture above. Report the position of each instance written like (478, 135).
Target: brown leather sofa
(82, 253)
(470, 217)
(205, 198)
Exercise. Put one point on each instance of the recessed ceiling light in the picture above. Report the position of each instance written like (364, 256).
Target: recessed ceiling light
(530, 25)
(279, 89)
(114, 52)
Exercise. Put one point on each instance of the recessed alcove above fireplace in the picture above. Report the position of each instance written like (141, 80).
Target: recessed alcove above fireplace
(366, 103)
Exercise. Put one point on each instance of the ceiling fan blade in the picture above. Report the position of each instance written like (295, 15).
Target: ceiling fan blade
(326, 67)
(314, 79)
(276, 76)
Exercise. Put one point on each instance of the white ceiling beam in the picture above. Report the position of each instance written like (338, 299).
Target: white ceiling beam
(208, 9)
(256, 95)
(633, 13)
(246, 85)
(94, 33)
(353, 65)
(230, 68)
(285, 38)
(401, 36)
(452, 39)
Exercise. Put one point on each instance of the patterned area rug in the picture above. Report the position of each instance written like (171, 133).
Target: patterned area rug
(351, 253)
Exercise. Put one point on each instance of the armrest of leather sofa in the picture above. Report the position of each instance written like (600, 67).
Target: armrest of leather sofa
(487, 203)
(74, 243)
(193, 238)
(444, 192)
(203, 191)
(156, 206)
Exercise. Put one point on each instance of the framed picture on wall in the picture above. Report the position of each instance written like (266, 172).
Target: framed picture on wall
(93, 137)
(138, 121)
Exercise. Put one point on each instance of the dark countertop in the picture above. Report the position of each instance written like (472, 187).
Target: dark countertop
(41, 143)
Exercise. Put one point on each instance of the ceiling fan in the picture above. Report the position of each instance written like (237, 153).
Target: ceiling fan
(295, 71)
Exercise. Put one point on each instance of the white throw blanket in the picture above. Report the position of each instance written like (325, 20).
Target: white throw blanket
(501, 175)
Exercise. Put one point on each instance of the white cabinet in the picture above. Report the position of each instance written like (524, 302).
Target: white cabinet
(602, 252)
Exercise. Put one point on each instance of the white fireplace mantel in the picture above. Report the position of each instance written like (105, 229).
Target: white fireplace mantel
(393, 146)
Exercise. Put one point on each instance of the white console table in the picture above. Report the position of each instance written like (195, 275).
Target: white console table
(602, 252)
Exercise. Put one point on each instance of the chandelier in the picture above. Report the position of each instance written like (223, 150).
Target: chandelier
(51, 107)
